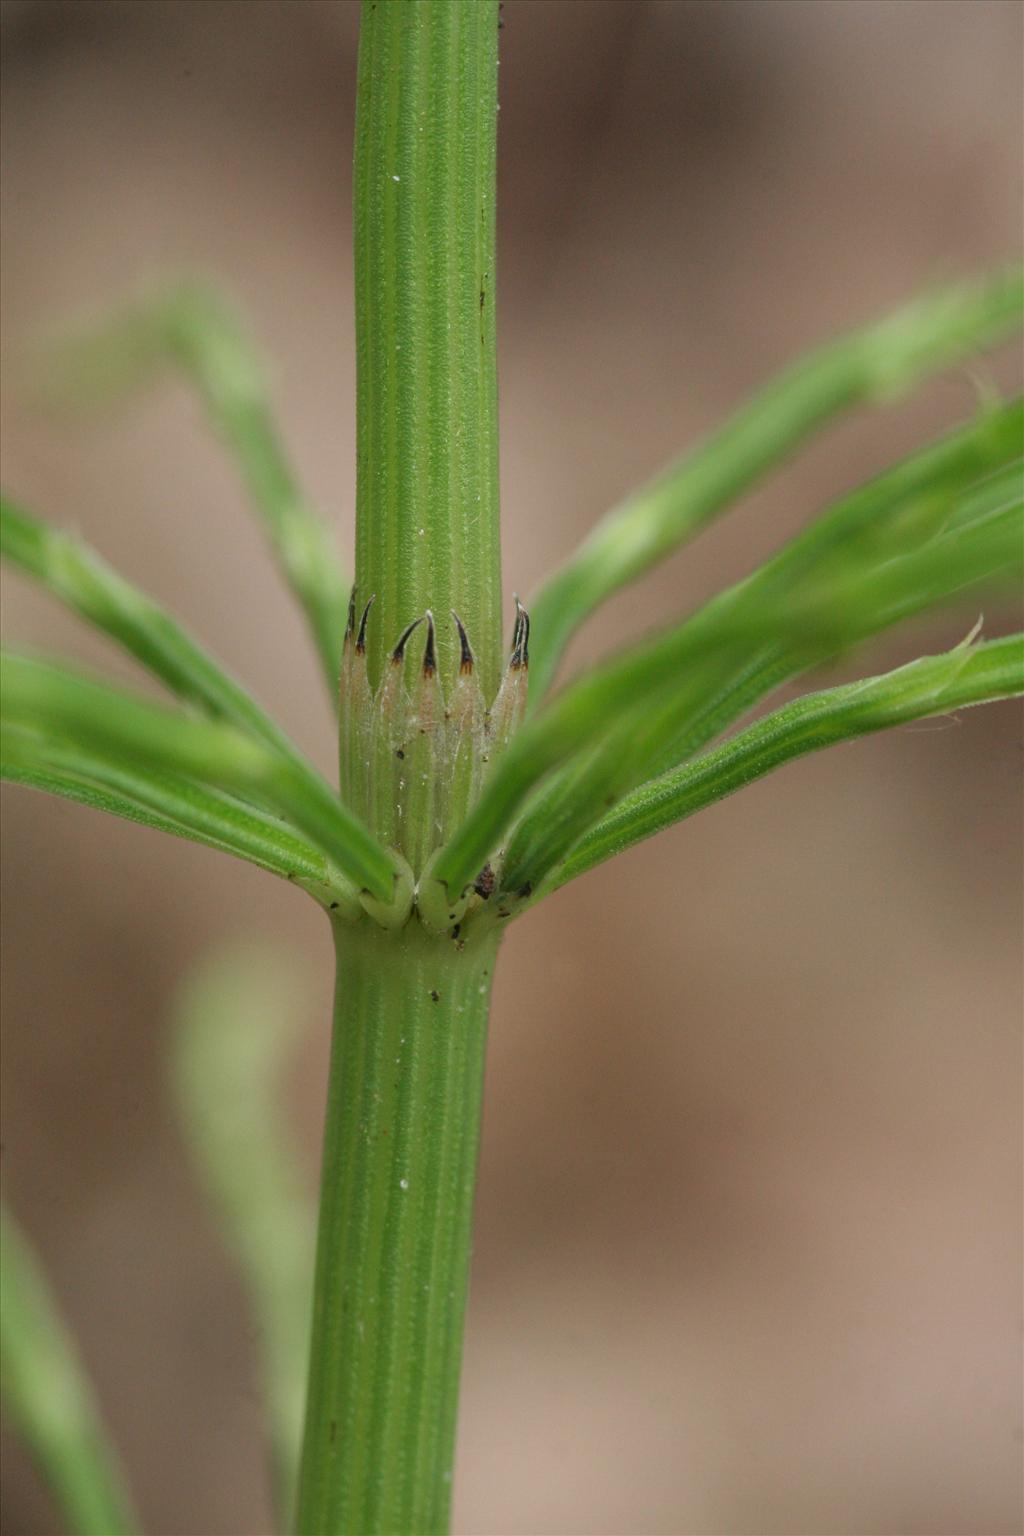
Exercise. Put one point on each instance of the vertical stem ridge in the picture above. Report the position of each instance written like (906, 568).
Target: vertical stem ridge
(427, 433)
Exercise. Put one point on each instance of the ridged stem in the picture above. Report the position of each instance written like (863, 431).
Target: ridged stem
(399, 1168)
(427, 429)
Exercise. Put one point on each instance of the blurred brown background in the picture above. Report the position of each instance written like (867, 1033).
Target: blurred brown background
(748, 1254)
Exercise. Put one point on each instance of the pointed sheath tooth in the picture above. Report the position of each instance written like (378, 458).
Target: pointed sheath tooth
(361, 637)
(429, 650)
(523, 648)
(351, 710)
(510, 704)
(346, 651)
(465, 649)
(357, 770)
(398, 654)
(360, 737)
(388, 754)
(464, 739)
(516, 629)
(424, 755)
(428, 703)
(464, 746)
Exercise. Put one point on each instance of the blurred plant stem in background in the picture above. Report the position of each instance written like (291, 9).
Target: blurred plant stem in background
(236, 1027)
(50, 1399)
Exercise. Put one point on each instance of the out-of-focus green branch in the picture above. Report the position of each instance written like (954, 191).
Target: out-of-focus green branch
(188, 327)
(876, 364)
(934, 685)
(49, 1398)
(236, 1021)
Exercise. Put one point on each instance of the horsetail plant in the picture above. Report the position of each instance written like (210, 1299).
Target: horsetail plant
(468, 789)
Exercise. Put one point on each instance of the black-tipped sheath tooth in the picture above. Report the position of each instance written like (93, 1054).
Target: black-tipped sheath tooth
(361, 637)
(350, 626)
(399, 651)
(465, 649)
(429, 653)
(515, 635)
(524, 641)
(521, 637)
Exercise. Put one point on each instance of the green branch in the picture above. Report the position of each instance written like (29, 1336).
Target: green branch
(934, 685)
(191, 329)
(690, 664)
(756, 677)
(174, 804)
(824, 621)
(85, 583)
(841, 551)
(48, 698)
(873, 365)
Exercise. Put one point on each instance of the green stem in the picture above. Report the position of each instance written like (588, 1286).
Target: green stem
(427, 414)
(399, 1163)
(403, 1112)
